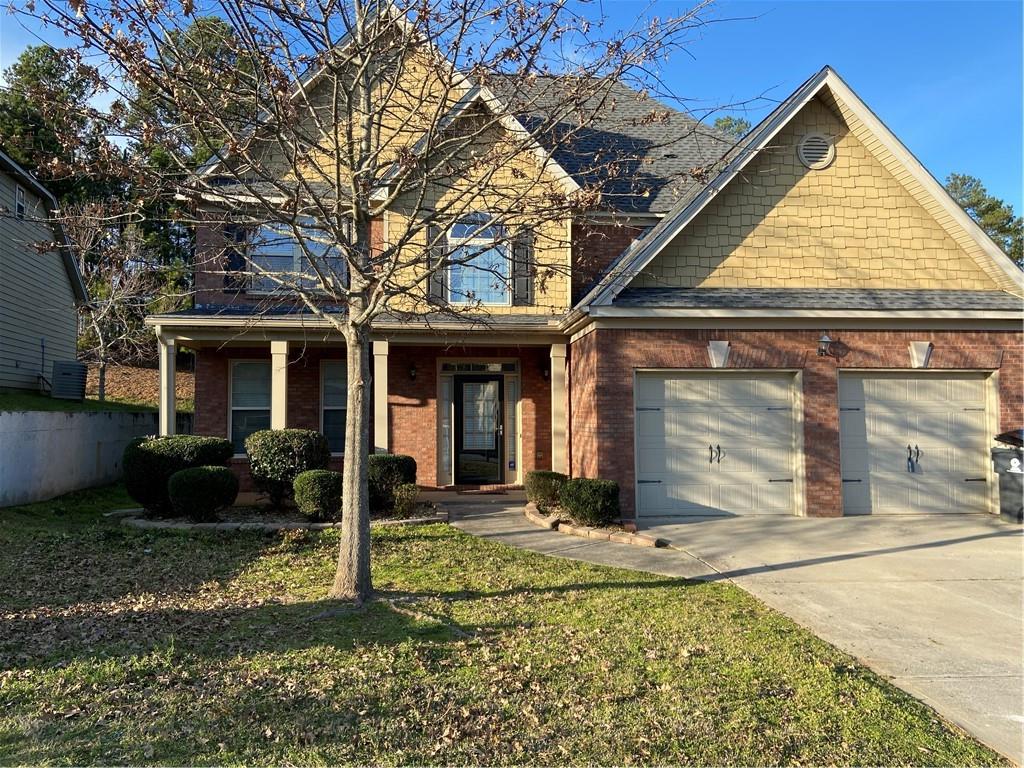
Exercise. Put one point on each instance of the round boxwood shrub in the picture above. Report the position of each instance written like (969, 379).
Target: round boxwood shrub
(198, 493)
(407, 496)
(277, 456)
(592, 502)
(543, 487)
(386, 472)
(149, 462)
(318, 494)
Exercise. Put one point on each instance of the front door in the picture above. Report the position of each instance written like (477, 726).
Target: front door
(478, 430)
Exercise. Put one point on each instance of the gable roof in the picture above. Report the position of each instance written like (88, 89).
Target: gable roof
(480, 94)
(64, 247)
(640, 253)
(642, 154)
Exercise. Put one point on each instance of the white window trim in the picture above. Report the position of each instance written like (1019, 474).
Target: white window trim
(323, 406)
(459, 242)
(231, 408)
(20, 203)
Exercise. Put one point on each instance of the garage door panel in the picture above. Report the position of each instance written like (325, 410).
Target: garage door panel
(940, 417)
(856, 496)
(735, 424)
(714, 444)
(737, 497)
(775, 497)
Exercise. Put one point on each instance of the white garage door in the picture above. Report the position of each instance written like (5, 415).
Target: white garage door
(714, 444)
(913, 443)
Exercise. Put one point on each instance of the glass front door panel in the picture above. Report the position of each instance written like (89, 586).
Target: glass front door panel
(479, 430)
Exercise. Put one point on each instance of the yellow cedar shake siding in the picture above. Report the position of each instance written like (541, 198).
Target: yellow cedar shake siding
(522, 183)
(413, 108)
(853, 224)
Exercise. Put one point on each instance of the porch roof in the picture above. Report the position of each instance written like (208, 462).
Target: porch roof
(867, 299)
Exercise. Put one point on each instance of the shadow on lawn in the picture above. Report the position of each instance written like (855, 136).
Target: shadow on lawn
(39, 639)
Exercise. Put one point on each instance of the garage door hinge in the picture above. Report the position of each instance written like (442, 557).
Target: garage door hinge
(647, 482)
(975, 480)
(849, 480)
(849, 409)
(974, 409)
(780, 480)
(647, 409)
(778, 408)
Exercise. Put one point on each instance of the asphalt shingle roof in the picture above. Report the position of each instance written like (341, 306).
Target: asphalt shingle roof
(657, 152)
(815, 298)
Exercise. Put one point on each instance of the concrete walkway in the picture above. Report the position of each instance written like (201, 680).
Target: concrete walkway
(933, 603)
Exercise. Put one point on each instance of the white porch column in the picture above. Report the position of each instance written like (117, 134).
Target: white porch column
(380, 397)
(278, 384)
(559, 459)
(168, 406)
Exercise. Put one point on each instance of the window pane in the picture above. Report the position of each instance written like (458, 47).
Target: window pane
(334, 430)
(475, 226)
(244, 423)
(272, 249)
(250, 385)
(335, 384)
(482, 275)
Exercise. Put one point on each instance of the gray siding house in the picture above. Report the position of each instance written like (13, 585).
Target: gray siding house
(39, 286)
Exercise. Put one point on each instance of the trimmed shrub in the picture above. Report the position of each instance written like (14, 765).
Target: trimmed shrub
(198, 493)
(406, 497)
(592, 502)
(543, 487)
(278, 456)
(387, 471)
(149, 462)
(318, 494)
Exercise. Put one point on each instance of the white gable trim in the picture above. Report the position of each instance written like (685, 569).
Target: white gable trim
(509, 122)
(632, 263)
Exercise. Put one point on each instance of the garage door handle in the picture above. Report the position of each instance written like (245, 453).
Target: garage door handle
(851, 480)
(648, 482)
(780, 480)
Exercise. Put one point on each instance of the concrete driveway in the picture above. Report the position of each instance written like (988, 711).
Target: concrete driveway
(933, 603)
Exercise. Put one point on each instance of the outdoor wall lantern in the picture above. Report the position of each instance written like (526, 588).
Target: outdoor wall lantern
(412, 372)
(825, 345)
(545, 372)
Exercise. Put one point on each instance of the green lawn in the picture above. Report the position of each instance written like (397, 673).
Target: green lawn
(121, 646)
(33, 401)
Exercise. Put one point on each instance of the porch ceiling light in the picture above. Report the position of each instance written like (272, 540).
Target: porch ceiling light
(412, 372)
(825, 345)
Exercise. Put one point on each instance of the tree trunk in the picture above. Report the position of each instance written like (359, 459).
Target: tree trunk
(352, 579)
(102, 376)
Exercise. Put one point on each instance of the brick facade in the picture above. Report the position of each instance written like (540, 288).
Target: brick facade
(412, 403)
(594, 248)
(602, 365)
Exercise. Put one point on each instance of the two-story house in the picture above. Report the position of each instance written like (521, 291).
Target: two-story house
(40, 284)
(808, 326)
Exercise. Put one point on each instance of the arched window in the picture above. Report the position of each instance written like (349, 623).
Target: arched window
(480, 267)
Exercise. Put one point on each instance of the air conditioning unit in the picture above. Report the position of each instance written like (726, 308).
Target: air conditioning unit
(68, 381)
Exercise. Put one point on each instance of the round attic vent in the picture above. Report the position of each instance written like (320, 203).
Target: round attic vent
(816, 151)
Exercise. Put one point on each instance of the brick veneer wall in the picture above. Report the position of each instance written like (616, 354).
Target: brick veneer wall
(594, 247)
(211, 397)
(603, 363)
(412, 403)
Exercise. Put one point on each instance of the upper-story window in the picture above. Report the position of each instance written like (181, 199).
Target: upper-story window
(480, 269)
(19, 202)
(261, 259)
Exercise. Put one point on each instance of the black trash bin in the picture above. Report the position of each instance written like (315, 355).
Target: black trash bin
(1009, 466)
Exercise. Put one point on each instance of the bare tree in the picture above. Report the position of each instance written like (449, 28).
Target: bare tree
(125, 283)
(436, 114)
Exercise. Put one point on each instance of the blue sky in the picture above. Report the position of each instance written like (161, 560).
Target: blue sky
(945, 76)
